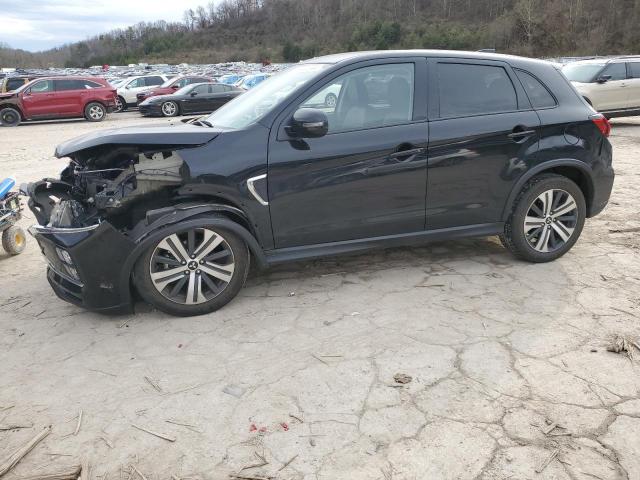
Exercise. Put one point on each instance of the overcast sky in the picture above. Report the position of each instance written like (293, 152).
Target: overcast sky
(42, 24)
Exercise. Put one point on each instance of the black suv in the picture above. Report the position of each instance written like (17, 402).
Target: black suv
(418, 146)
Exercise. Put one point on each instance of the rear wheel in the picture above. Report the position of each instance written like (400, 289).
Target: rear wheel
(193, 271)
(170, 109)
(14, 240)
(547, 219)
(95, 112)
(9, 117)
(330, 100)
(121, 104)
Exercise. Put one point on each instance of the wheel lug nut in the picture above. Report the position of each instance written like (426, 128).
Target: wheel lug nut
(201, 262)
(184, 263)
(193, 256)
(186, 272)
(197, 272)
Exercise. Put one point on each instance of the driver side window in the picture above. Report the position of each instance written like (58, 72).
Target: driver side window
(370, 97)
(43, 86)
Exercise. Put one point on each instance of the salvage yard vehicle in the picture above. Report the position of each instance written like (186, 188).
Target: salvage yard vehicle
(171, 86)
(457, 144)
(10, 84)
(611, 86)
(196, 98)
(58, 97)
(129, 89)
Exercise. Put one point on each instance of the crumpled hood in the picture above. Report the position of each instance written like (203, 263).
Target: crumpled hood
(181, 135)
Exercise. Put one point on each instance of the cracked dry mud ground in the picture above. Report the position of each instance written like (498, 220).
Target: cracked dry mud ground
(495, 347)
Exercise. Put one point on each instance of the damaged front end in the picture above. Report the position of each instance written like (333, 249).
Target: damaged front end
(87, 218)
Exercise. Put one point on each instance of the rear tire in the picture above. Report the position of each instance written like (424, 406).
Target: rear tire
(95, 112)
(14, 240)
(121, 104)
(547, 219)
(193, 271)
(9, 117)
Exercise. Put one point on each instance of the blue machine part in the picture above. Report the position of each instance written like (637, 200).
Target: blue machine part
(5, 187)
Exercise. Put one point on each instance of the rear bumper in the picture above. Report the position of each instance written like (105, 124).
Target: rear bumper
(603, 178)
(79, 276)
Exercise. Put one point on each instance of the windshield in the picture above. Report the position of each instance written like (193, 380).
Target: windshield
(583, 73)
(250, 107)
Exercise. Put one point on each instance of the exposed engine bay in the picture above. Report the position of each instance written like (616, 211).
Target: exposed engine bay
(107, 182)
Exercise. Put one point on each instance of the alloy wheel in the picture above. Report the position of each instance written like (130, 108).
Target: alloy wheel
(169, 109)
(119, 105)
(192, 267)
(96, 112)
(551, 220)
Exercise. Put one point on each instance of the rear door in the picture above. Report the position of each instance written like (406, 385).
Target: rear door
(69, 94)
(482, 133)
(39, 100)
(366, 177)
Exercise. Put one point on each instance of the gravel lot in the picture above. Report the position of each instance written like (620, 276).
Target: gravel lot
(299, 369)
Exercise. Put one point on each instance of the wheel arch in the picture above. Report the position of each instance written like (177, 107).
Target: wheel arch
(579, 172)
(168, 220)
(15, 107)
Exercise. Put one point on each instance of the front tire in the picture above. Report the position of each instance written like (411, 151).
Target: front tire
(9, 117)
(14, 240)
(547, 219)
(95, 112)
(330, 101)
(193, 271)
(170, 109)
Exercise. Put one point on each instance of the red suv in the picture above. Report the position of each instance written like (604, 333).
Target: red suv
(171, 85)
(58, 97)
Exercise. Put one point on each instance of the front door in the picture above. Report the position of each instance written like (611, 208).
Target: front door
(612, 94)
(196, 100)
(367, 176)
(633, 85)
(40, 100)
(482, 133)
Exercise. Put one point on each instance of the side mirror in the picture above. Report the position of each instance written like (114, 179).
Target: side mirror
(175, 87)
(603, 78)
(128, 87)
(193, 94)
(309, 123)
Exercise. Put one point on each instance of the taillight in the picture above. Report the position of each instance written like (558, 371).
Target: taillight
(602, 123)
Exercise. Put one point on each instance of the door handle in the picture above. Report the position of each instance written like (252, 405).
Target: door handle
(520, 133)
(406, 153)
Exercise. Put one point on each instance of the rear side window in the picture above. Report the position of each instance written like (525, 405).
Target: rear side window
(218, 88)
(153, 81)
(634, 69)
(467, 89)
(538, 94)
(618, 71)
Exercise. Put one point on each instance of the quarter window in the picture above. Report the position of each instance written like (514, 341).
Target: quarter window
(618, 71)
(538, 94)
(467, 89)
(369, 97)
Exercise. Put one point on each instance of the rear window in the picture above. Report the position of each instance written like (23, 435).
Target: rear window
(538, 94)
(467, 89)
(634, 69)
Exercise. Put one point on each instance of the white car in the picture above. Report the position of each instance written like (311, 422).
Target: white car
(128, 89)
(610, 85)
